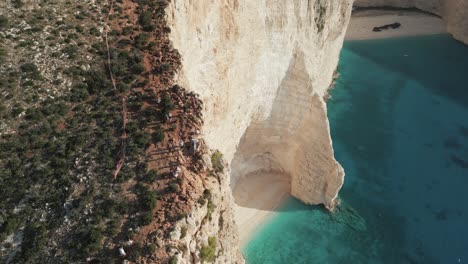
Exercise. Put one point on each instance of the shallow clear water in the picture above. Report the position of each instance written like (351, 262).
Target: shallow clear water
(399, 122)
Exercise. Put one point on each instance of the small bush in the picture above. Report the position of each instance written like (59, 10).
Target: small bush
(3, 22)
(168, 104)
(174, 187)
(210, 209)
(207, 252)
(96, 81)
(173, 260)
(141, 40)
(71, 51)
(151, 176)
(145, 20)
(31, 71)
(158, 135)
(17, 3)
(217, 161)
(183, 232)
(152, 248)
(146, 218)
(148, 199)
(3, 54)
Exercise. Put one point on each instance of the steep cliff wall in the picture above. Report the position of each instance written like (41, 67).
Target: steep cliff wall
(454, 12)
(262, 68)
(211, 221)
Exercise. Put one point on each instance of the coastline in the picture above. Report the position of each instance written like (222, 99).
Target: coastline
(257, 198)
(412, 24)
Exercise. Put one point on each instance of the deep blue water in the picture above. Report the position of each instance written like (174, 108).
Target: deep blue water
(399, 122)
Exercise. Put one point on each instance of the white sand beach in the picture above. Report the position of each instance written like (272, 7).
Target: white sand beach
(257, 196)
(412, 24)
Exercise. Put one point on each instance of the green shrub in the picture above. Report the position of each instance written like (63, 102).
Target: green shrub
(35, 238)
(138, 68)
(151, 176)
(174, 187)
(123, 207)
(141, 40)
(158, 135)
(17, 3)
(71, 51)
(146, 218)
(31, 71)
(183, 232)
(210, 209)
(217, 161)
(207, 252)
(173, 260)
(145, 20)
(90, 240)
(152, 248)
(3, 54)
(3, 22)
(148, 199)
(168, 104)
(96, 81)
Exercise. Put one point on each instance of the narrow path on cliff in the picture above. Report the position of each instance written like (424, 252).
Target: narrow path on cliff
(123, 137)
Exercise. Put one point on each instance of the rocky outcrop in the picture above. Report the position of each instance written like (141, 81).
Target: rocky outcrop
(454, 12)
(210, 219)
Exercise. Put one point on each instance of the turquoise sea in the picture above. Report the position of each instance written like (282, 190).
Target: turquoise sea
(399, 122)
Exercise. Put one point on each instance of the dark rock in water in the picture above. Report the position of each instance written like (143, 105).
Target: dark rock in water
(452, 143)
(459, 162)
(441, 215)
(388, 26)
(463, 131)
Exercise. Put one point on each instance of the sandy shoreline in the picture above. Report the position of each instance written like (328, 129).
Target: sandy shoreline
(412, 24)
(257, 196)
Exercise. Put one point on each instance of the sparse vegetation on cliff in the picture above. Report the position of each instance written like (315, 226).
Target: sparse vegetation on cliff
(217, 161)
(320, 12)
(62, 122)
(208, 252)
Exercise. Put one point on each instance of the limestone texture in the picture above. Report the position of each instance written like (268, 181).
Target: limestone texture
(263, 69)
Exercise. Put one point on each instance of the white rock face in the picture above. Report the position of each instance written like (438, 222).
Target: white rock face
(262, 69)
(454, 12)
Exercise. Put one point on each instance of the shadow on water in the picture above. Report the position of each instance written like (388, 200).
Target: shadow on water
(400, 131)
(442, 75)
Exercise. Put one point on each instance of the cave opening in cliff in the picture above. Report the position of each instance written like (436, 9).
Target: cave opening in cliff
(259, 186)
(258, 181)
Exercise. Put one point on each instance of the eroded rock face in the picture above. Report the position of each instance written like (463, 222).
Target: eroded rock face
(262, 69)
(294, 140)
(454, 12)
(211, 219)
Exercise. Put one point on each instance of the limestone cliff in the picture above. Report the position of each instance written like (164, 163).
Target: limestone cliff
(262, 68)
(454, 12)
